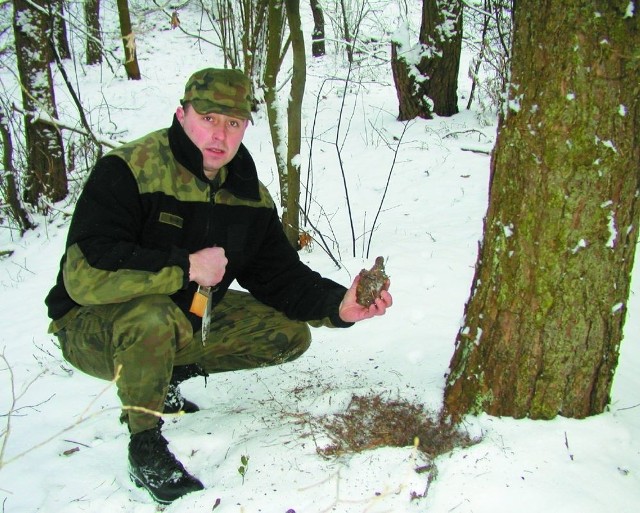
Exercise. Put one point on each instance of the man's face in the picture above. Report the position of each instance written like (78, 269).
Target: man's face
(217, 136)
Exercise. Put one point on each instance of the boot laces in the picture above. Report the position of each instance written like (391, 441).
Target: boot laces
(160, 465)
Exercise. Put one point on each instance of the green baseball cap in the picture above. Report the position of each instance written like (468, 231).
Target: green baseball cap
(223, 91)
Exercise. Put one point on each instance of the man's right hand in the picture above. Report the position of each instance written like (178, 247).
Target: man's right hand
(207, 266)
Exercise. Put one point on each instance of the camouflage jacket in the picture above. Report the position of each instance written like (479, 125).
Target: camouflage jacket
(147, 205)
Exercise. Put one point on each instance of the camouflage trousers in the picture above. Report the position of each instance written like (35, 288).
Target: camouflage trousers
(138, 343)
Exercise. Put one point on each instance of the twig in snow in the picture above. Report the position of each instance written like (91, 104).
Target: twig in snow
(566, 444)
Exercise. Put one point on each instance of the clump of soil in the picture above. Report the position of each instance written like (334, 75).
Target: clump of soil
(372, 283)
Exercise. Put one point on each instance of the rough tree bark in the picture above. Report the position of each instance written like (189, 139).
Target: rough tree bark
(8, 185)
(94, 37)
(58, 20)
(45, 176)
(544, 321)
(317, 36)
(430, 85)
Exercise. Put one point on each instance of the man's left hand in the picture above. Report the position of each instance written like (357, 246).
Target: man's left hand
(351, 311)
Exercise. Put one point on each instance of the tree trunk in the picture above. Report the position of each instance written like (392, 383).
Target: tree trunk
(254, 55)
(346, 31)
(273, 62)
(286, 140)
(441, 31)
(56, 10)
(430, 86)
(254, 13)
(317, 36)
(17, 214)
(544, 321)
(94, 38)
(46, 174)
(410, 104)
(477, 60)
(291, 220)
(128, 41)
(227, 31)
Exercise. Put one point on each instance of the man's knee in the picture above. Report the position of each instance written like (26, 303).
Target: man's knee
(304, 338)
(156, 318)
(293, 341)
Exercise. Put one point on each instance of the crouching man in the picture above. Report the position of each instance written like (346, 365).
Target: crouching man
(162, 228)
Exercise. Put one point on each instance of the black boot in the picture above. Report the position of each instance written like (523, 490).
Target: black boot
(153, 467)
(175, 402)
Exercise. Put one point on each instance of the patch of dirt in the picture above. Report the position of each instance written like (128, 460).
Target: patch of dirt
(370, 422)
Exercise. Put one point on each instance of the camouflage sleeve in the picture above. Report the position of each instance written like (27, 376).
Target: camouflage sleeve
(104, 262)
(88, 285)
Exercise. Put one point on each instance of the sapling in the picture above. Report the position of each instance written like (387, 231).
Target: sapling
(244, 466)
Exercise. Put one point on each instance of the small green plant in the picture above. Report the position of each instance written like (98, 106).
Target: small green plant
(244, 466)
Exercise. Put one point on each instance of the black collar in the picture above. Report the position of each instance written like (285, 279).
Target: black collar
(242, 179)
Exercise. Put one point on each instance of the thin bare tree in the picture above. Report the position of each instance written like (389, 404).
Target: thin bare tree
(128, 41)
(286, 140)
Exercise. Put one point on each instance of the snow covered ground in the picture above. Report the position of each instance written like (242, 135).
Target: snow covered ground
(66, 451)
